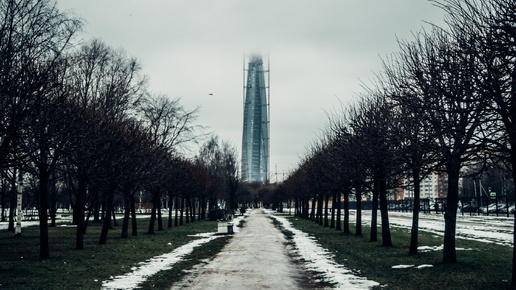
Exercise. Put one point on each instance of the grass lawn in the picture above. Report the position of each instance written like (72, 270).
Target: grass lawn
(21, 268)
(482, 266)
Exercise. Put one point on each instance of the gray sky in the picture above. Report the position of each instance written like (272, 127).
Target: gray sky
(320, 51)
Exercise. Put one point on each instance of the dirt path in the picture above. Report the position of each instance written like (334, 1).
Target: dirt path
(255, 258)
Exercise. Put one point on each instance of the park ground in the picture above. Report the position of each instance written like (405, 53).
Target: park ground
(484, 253)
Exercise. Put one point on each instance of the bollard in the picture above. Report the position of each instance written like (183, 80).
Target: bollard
(230, 228)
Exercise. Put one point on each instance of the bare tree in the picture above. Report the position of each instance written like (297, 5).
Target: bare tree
(443, 74)
(220, 160)
(33, 37)
(373, 125)
(416, 139)
(169, 123)
(487, 31)
(106, 86)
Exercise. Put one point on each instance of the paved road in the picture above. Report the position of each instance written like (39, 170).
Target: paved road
(255, 258)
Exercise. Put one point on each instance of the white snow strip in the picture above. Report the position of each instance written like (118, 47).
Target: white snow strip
(411, 266)
(5, 225)
(425, 249)
(402, 266)
(154, 265)
(319, 260)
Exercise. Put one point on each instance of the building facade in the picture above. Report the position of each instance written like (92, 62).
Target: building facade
(434, 186)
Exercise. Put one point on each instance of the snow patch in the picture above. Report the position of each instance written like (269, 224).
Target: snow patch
(402, 266)
(488, 229)
(425, 249)
(411, 266)
(319, 260)
(164, 262)
(150, 267)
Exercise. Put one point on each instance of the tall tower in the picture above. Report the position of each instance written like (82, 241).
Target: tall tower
(255, 137)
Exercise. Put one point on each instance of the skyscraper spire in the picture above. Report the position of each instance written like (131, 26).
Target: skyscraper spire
(255, 137)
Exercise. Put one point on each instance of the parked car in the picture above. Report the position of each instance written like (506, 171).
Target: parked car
(469, 208)
(502, 207)
(489, 208)
(492, 208)
(506, 209)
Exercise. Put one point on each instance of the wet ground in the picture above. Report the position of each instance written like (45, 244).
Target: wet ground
(257, 257)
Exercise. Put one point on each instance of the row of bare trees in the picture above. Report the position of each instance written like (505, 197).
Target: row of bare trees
(445, 100)
(78, 119)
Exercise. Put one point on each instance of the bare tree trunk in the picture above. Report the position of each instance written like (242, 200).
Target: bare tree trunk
(127, 211)
(374, 213)
(19, 209)
(307, 208)
(386, 232)
(79, 213)
(312, 213)
(96, 206)
(339, 223)
(160, 219)
(12, 202)
(113, 212)
(187, 207)
(346, 211)
(176, 207)
(192, 209)
(415, 213)
(153, 215)
(134, 223)
(4, 192)
(358, 225)
(326, 202)
(87, 220)
(104, 207)
(170, 209)
(320, 204)
(181, 212)
(203, 209)
(43, 215)
(450, 213)
(512, 136)
(109, 211)
(53, 203)
(333, 205)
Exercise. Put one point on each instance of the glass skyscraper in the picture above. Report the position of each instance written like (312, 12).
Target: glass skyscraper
(255, 139)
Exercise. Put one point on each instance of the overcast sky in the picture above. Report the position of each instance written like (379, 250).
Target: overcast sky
(320, 51)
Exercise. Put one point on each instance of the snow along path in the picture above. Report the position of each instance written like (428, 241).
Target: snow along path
(255, 258)
(319, 260)
(148, 268)
(258, 258)
(154, 265)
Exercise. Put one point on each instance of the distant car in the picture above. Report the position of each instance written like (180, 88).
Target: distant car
(469, 208)
(501, 208)
(493, 208)
(506, 209)
(489, 208)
